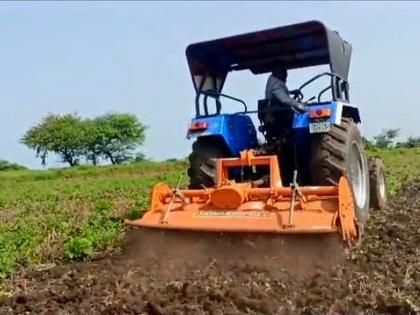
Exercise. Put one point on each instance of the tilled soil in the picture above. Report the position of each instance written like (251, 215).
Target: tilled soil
(382, 276)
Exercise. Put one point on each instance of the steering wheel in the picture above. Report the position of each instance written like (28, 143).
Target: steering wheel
(297, 95)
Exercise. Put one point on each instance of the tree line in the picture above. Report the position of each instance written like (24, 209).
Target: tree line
(8, 166)
(112, 137)
(387, 140)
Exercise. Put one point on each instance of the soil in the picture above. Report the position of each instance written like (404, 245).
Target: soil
(381, 276)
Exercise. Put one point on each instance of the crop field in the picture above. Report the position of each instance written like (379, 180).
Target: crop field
(61, 232)
(71, 213)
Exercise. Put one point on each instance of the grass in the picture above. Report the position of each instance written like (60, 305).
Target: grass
(64, 214)
(401, 165)
(71, 213)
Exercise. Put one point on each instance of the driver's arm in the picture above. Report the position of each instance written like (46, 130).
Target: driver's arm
(280, 91)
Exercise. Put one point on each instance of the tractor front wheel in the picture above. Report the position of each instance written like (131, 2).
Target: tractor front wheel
(377, 180)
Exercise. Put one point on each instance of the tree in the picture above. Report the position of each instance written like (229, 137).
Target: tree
(63, 135)
(115, 137)
(92, 148)
(411, 142)
(367, 143)
(386, 138)
(112, 136)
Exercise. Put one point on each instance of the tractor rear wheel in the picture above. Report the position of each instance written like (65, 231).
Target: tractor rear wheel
(340, 152)
(202, 170)
(377, 180)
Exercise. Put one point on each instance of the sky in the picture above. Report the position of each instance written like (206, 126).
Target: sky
(94, 57)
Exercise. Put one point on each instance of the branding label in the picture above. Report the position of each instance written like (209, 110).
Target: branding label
(232, 214)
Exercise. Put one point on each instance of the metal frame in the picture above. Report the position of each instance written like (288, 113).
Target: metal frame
(339, 87)
(216, 95)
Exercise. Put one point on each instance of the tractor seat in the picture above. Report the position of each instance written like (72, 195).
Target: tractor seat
(282, 110)
(282, 119)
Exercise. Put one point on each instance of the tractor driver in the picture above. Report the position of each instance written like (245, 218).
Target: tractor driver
(276, 89)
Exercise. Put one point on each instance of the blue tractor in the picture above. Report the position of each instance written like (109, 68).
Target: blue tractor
(320, 144)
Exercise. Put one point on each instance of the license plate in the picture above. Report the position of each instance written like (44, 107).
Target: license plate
(319, 127)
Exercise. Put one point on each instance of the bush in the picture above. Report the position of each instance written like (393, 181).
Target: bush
(7, 166)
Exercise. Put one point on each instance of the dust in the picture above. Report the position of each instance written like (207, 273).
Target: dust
(177, 253)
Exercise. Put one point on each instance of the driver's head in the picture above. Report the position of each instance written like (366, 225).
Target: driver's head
(280, 72)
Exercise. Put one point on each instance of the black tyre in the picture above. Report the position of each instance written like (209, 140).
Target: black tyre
(377, 182)
(340, 152)
(202, 170)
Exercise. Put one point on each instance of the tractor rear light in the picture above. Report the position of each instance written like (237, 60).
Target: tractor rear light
(320, 113)
(198, 126)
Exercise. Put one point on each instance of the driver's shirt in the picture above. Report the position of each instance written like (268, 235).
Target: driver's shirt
(277, 89)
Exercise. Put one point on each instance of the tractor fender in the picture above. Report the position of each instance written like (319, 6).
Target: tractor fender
(338, 110)
(236, 130)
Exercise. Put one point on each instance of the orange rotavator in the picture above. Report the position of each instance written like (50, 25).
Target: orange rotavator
(241, 207)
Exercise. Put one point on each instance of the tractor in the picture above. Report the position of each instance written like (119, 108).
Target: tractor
(322, 144)
(309, 175)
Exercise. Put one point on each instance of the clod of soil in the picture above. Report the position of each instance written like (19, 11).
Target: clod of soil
(382, 276)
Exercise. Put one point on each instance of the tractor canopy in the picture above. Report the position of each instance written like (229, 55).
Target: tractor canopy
(292, 46)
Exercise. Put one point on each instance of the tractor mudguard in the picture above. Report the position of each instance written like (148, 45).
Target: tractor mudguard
(337, 110)
(237, 131)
